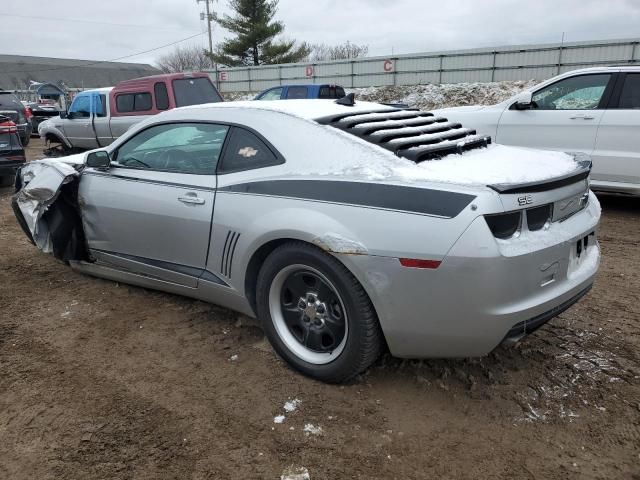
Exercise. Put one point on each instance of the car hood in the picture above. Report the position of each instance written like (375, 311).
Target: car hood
(467, 108)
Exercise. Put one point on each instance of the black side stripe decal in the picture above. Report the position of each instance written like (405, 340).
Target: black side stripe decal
(373, 195)
(172, 267)
(228, 251)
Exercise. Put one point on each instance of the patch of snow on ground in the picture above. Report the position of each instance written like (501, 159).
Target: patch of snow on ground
(295, 473)
(292, 405)
(312, 429)
(278, 419)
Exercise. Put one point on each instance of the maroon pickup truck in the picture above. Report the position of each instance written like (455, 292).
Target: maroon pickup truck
(97, 117)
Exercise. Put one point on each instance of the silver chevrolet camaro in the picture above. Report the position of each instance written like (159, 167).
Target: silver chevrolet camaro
(346, 227)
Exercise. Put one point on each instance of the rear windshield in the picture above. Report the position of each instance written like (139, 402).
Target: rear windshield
(194, 91)
(8, 99)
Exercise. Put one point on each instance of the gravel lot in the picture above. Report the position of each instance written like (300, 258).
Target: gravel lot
(102, 380)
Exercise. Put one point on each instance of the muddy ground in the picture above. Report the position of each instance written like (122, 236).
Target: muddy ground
(101, 380)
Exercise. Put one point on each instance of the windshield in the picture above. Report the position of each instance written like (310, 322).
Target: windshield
(195, 91)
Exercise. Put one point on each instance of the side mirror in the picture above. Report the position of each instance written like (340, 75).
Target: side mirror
(99, 159)
(524, 101)
(64, 114)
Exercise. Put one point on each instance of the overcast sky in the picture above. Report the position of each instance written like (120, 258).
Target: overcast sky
(110, 29)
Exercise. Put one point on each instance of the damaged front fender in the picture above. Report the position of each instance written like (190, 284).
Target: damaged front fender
(46, 207)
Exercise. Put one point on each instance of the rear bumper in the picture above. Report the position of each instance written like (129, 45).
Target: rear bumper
(526, 327)
(9, 168)
(482, 290)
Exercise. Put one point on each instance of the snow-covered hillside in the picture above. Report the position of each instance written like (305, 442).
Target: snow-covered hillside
(429, 97)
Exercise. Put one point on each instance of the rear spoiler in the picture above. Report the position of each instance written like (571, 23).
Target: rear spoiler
(580, 173)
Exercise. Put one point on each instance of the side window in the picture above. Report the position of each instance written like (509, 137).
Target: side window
(124, 103)
(81, 106)
(162, 96)
(101, 105)
(297, 93)
(575, 93)
(133, 102)
(245, 151)
(630, 96)
(331, 92)
(176, 147)
(273, 94)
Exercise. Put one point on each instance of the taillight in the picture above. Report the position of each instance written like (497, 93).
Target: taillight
(28, 113)
(538, 217)
(504, 225)
(8, 127)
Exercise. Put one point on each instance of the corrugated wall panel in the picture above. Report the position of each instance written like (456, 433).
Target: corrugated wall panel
(466, 76)
(528, 62)
(611, 54)
(417, 78)
(527, 58)
(417, 64)
(332, 69)
(372, 80)
(467, 61)
(369, 66)
(270, 73)
(534, 73)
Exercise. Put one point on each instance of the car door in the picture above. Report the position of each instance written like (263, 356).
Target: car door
(616, 157)
(563, 116)
(77, 125)
(150, 213)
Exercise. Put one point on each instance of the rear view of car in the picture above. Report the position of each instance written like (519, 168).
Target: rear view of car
(12, 108)
(41, 112)
(11, 151)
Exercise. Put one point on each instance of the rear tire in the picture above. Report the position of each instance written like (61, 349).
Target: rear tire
(7, 180)
(316, 314)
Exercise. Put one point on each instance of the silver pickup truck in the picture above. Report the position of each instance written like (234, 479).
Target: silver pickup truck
(97, 117)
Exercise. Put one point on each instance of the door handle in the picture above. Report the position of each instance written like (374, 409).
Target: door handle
(191, 199)
(582, 117)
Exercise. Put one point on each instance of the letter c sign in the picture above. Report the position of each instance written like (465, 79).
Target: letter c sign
(388, 66)
(308, 71)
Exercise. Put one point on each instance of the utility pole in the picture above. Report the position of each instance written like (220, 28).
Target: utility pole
(208, 16)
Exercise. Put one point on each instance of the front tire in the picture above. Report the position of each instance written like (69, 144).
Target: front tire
(316, 314)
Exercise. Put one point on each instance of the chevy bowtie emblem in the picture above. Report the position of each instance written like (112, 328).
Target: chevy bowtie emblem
(248, 152)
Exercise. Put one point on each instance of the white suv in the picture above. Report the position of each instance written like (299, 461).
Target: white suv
(594, 110)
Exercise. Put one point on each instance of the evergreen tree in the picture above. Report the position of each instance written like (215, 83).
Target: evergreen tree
(255, 32)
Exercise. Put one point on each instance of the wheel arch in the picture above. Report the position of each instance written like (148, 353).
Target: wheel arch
(259, 256)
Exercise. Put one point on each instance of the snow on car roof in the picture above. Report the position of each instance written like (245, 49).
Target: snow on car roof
(309, 109)
(341, 154)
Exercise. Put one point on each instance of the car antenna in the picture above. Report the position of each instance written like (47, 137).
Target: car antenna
(347, 100)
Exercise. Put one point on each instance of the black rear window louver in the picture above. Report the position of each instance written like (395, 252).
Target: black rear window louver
(409, 132)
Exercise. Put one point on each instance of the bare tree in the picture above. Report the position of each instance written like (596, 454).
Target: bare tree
(181, 59)
(345, 51)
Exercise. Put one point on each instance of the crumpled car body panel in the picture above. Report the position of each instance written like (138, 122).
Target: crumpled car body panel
(46, 207)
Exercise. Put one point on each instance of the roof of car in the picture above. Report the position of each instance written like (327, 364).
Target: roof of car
(605, 68)
(99, 90)
(309, 109)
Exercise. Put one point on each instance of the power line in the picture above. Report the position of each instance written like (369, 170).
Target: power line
(107, 61)
(82, 20)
